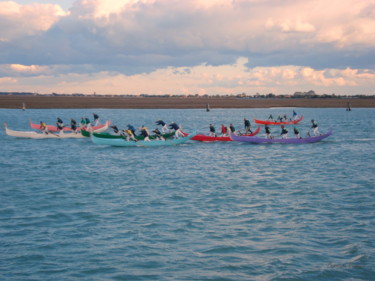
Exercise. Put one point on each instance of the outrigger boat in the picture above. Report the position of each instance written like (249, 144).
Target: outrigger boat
(112, 136)
(268, 122)
(142, 143)
(205, 138)
(52, 128)
(50, 135)
(280, 140)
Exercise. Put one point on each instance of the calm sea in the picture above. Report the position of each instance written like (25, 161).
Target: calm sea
(72, 210)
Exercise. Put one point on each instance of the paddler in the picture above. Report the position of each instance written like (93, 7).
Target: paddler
(145, 133)
(296, 133)
(131, 128)
(284, 132)
(232, 129)
(59, 127)
(88, 123)
(164, 128)
(73, 125)
(268, 132)
(43, 127)
(177, 129)
(314, 127)
(224, 131)
(128, 134)
(158, 134)
(212, 131)
(247, 126)
(96, 119)
(115, 129)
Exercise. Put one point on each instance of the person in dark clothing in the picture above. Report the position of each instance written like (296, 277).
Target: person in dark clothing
(212, 131)
(247, 126)
(268, 132)
(116, 130)
(284, 132)
(158, 134)
(177, 129)
(296, 133)
(96, 119)
(131, 128)
(73, 125)
(164, 128)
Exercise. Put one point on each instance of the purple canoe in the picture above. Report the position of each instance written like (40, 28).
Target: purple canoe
(291, 140)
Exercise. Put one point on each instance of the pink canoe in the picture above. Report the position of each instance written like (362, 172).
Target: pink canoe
(53, 128)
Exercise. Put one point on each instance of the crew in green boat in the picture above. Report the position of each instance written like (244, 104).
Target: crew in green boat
(145, 133)
(128, 134)
(116, 130)
(284, 132)
(158, 134)
(131, 128)
(164, 127)
(178, 133)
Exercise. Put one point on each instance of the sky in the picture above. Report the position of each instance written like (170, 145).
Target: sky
(188, 47)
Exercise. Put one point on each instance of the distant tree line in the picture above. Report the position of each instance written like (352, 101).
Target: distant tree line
(297, 95)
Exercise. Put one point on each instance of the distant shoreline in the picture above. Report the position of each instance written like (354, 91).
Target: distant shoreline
(50, 102)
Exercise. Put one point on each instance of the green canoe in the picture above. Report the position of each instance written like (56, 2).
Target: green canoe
(111, 136)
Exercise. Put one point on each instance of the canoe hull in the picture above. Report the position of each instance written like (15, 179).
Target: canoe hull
(124, 143)
(266, 122)
(205, 138)
(36, 135)
(284, 141)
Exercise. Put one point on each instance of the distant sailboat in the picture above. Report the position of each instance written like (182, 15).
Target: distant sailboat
(348, 108)
(23, 106)
(207, 107)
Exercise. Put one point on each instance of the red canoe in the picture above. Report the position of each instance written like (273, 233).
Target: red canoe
(266, 122)
(53, 128)
(202, 137)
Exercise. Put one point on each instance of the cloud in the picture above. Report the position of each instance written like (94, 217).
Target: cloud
(17, 20)
(224, 79)
(139, 38)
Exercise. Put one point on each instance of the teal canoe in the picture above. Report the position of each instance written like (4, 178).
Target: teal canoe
(111, 136)
(141, 143)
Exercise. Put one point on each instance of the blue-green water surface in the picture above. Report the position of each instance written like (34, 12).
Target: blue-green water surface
(72, 210)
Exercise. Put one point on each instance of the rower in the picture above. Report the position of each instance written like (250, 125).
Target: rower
(177, 129)
(145, 133)
(164, 128)
(96, 119)
(296, 133)
(116, 130)
(268, 131)
(73, 125)
(43, 127)
(158, 134)
(284, 132)
(212, 131)
(131, 128)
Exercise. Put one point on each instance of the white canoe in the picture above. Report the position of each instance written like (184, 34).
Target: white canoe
(35, 135)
